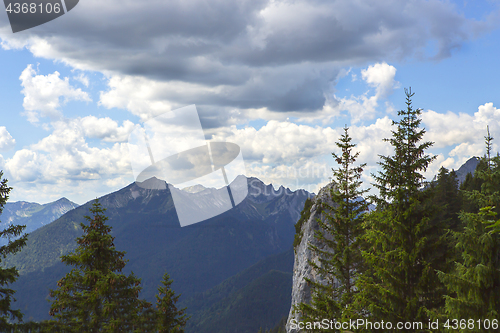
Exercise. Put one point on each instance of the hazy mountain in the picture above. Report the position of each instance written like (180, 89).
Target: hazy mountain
(194, 188)
(467, 167)
(33, 215)
(145, 224)
(262, 291)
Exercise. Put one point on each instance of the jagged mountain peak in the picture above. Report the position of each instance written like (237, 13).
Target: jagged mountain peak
(194, 189)
(467, 167)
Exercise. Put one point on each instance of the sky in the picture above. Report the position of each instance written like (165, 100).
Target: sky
(278, 78)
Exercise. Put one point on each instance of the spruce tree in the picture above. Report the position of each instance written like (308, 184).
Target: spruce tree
(9, 275)
(489, 197)
(474, 286)
(472, 183)
(402, 242)
(95, 296)
(447, 197)
(169, 318)
(448, 201)
(339, 254)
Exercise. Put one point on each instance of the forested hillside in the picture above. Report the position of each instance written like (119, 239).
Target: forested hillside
(427, 254)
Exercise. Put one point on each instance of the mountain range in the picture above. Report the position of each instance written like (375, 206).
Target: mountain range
(33, 215)
(200, 258)
(234, 270)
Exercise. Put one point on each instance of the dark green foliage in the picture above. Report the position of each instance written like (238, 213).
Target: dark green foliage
(169, 318)
(95, 296)
(339, 236)
(32, 327)
(304, 217)
(8, 275)
(474, 286)
(472, 183)
(403, 241)
(447, 198)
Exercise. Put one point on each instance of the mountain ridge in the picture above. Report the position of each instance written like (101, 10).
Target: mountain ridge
(33, 215)
(144, 224)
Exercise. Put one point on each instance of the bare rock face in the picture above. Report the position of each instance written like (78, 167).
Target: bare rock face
(301, 291)
(467, 167)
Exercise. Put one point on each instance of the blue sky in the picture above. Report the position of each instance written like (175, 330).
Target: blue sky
(279, 78)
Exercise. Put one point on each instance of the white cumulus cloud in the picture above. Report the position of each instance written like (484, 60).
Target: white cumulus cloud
(462, 133)
(6, 140)
(106, 129)
(381, 77)
(45, 94)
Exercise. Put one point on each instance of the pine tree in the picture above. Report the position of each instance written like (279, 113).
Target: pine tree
(448, 201)
(474, 286)
(489, 197)
(402, 241)
(95, 296)
(9, 275)
(340, 260)
(169, 318)
(472, 183)
(447, 197)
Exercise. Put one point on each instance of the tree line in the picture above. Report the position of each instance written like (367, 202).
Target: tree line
(428, 252)
(95, 296)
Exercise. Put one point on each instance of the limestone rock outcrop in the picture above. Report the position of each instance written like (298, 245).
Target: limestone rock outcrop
(301, 291)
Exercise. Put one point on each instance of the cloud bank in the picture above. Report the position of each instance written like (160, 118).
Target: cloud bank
(280, 55)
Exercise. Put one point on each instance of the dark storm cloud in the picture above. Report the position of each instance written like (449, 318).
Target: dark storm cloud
(283, 55)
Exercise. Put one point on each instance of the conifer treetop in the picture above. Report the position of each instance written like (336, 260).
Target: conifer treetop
(401, 174)
(95, 296)
(96, 250)
(170, 319)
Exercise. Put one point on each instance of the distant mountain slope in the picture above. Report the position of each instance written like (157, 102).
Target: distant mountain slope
(33, 215)
(261, 303)
(144, 222)
(206, 308)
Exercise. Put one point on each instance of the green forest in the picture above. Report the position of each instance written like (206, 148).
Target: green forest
(95, 296)
(420, 251)
(427, 253)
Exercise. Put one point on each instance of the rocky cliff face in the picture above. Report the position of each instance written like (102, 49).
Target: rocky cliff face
(467, 167)
(301, 292)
